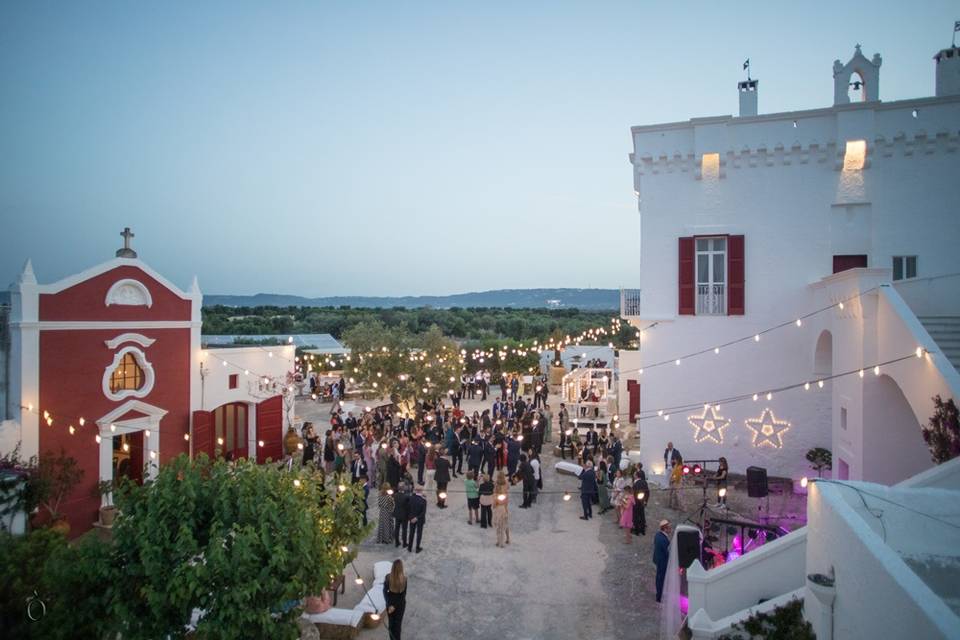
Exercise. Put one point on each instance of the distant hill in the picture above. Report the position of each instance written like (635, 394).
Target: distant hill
(518, 298)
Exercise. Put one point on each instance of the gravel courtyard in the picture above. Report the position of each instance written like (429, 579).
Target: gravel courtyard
(560, 577)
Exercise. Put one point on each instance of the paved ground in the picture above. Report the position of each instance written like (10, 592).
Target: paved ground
(560, 577)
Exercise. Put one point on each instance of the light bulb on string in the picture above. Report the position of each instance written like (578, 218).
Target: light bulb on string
(860, 373)
(98, 438)
(876, 370)
(806, 386)
(755, 397)
(820, 383)
(799, 322)
(756, 338)
(716, 349)
(566, 497)
(769, 395)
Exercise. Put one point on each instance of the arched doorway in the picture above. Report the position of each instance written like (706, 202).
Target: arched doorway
(893, 447)
(230, 430)
(823, 356)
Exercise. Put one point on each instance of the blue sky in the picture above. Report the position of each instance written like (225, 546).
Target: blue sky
(386, 148)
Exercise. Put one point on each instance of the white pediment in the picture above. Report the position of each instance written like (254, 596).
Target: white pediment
(152, 413)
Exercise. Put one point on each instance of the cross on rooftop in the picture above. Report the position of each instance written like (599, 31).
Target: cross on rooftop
(126, 251)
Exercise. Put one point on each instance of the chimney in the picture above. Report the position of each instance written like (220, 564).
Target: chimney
(748, 97)
(948, 71)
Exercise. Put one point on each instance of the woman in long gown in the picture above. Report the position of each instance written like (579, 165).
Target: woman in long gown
(603, 486)
(395, 596)
(501, 515)
(385, 524)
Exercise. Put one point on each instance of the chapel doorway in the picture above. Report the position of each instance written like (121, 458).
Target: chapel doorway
(230, 430)
(128, 456)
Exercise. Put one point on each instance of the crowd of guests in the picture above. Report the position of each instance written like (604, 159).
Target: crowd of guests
(406, 457)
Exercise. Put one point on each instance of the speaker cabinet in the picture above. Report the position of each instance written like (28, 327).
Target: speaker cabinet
(688, 547)
(757, 482)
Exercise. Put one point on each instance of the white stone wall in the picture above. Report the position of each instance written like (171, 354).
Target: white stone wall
(877, 594)
(250, 389)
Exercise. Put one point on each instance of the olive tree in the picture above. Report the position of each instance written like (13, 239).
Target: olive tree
(405, 367)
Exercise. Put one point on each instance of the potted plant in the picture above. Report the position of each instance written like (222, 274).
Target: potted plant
(820, 459)
(56, 475)
(942, 433)
(104, 490)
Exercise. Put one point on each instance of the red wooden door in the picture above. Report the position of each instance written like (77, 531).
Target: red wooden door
(202, 433)
(270, 429)
(633, 392)
(230, 430)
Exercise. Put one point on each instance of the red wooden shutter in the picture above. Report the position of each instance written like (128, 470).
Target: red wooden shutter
(203, 433)
(270, 429)
(736, 300)
(686, 276)
(633, 391)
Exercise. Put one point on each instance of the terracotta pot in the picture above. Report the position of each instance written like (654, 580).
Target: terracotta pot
(61, 526)
(107, 515)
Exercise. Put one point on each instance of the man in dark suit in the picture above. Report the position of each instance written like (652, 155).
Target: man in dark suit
(358, 468)
(442, 478)
(661, 554)
(616, 450)
(417, 513)
(401, 512)
(513, 456)
(489, 455)
(670, 455)
(529, 482)
(588, 489)
(474, 456)
(641, 491)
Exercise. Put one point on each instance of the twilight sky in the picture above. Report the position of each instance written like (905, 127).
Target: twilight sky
(386, 148)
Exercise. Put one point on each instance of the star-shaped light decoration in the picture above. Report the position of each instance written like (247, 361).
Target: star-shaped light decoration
(767, 430)
(708, 426)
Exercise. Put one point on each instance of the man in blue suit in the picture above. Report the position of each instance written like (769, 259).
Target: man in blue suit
(588, 489)
(661, 554)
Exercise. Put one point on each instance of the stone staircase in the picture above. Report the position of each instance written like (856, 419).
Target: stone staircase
(945, 331)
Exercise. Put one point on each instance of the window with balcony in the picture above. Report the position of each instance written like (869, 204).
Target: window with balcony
(712, 276)
(904, 267)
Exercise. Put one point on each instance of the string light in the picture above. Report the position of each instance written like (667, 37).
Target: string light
(876, 370)
(756, 338)
(799, 322)
(98, 438)
(804, 482)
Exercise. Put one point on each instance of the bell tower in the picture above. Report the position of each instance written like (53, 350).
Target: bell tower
(860, 75)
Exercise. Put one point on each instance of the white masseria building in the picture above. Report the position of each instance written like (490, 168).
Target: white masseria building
(753, 222)
(845, 218)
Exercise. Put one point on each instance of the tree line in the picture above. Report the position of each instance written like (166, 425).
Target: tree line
(474, 324)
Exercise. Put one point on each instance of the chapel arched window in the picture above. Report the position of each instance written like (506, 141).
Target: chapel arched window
(127, 375)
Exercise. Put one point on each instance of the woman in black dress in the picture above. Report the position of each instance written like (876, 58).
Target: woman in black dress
(722, 471)
(395, 595)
